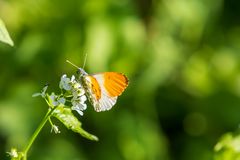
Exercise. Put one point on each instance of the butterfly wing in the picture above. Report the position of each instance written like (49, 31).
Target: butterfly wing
(104, 88)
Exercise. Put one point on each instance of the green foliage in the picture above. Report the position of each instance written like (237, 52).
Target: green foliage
(228, 147)
(66, 116)
(181, 56)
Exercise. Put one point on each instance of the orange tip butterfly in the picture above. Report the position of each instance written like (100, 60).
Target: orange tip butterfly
(102, 89)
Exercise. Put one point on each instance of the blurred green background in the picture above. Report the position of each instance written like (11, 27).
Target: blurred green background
(181, 56)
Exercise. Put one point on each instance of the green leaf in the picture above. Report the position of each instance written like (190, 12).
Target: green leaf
(4, 35)
(66, 116)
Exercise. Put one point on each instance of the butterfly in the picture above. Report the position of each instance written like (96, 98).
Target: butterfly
(102, 89)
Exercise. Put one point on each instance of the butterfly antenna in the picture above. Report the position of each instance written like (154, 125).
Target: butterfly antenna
(85, 59)
(72, 64)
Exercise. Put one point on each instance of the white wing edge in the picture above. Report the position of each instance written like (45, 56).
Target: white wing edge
(105, 102)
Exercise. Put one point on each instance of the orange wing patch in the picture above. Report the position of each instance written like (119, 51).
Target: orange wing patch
(115, 83)
(95, 87)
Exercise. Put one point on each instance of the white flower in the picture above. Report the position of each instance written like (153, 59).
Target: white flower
(79, 104)
(65, 83)
(55, 129)
(83, 98)
(79, 107)
(13, 153)
(73, 78)
(55, 101)
(76, 90)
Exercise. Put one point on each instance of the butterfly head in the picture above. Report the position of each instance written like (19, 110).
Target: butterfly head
(81, 72)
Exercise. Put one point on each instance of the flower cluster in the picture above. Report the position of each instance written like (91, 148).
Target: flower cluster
(73, 92)
(76, 91)
(71, 98)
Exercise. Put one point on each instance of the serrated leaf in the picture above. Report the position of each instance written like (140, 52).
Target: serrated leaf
(4, 35)
(66, 116)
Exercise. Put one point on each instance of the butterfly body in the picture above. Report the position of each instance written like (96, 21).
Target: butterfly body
(103, 89)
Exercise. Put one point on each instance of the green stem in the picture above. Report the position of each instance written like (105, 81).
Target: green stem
(37, 131)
